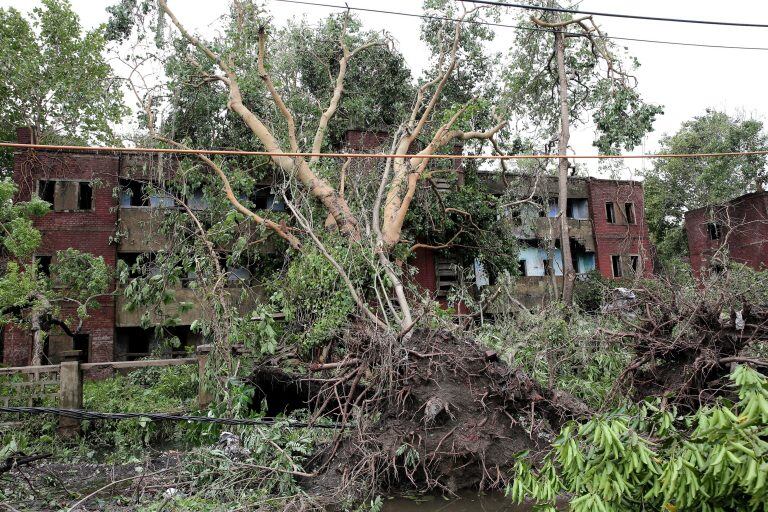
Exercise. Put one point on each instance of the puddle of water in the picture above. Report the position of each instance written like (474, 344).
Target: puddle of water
(463, 503)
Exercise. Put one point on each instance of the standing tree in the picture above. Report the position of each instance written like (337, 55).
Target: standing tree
(54, 78)
(27, 295)
(571, 63)
(674, 186)
(289, 103)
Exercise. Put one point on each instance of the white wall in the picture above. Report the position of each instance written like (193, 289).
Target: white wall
(534, 261)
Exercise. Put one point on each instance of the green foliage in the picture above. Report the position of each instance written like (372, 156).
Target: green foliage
(303, 59)
(589, 292)
(469, 220)
(620, 116)
(674, 186)
(565, 352)
(84, 274)
(315, 300)
(19, 236)
(55, 78)
(647, 458)
(172, 389)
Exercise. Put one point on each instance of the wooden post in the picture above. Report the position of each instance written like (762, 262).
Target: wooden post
(204, 396)
(70, 396)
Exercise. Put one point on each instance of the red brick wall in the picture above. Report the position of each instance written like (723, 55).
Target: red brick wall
(745, 223)
(358, 140)
(86, 231)
(620, 238)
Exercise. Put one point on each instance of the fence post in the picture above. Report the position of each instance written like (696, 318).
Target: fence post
(70, 396)
(204, 396)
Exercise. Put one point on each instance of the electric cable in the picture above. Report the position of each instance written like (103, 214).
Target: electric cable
(617, 15)
(517, 27)
(239, 152)
(157, 416)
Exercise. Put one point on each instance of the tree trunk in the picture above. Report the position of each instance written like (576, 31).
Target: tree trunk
(38, 333)
(569, 276)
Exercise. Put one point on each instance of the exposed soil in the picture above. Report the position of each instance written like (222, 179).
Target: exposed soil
(458, 418)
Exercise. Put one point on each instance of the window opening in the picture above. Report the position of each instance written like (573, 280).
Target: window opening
(85, 196)
(616, 264)
(714, 231)
(46, 190)
(44, 265)
(629, 212)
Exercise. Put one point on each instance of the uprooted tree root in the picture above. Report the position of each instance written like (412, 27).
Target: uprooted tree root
(435, 412)
(684, 349)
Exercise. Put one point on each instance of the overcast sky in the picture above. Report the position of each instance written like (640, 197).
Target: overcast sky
(685, 80)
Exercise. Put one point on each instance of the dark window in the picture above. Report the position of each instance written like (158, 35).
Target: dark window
(610, 213)
(634, 262)
(137, 262)
(629, 212)
(715, 231)
(577, 209)
(522, 267)
(44, 265)
(46, 190)
(133, 193)
(616, 265)
(85, 198)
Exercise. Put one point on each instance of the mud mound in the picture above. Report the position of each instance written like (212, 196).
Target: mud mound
(456, 420)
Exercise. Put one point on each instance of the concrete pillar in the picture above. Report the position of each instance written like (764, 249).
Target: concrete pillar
(70, 396)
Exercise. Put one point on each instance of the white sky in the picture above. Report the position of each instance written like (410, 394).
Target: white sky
(685, 80)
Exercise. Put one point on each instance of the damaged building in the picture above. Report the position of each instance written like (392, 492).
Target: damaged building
(104, 204)
(736, 230)
(607, 234)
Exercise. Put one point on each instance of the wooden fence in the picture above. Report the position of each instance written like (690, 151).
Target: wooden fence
(27, 385)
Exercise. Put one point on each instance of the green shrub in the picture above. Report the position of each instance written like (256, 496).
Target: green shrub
(714, 460)
(589, 292)
(315, 300)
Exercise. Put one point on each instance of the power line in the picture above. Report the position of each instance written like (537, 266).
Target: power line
(80, 414)
(616, 15)
(240, 152)
(517, 27)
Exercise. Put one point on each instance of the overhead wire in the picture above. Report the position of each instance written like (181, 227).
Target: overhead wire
(531, 7)
(275, 154)
(518, 27)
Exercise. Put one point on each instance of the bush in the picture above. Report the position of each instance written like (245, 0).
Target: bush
(589, 292)
(171, 389)
(639, 460)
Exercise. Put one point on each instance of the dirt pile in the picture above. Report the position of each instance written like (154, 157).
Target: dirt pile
(684, 351)
(454, 420)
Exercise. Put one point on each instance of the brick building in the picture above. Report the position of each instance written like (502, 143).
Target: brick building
(606, 220)
(100, 205)
(736, 229)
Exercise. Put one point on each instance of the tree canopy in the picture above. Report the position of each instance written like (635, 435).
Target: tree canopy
(674, 186)
(55, 78)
